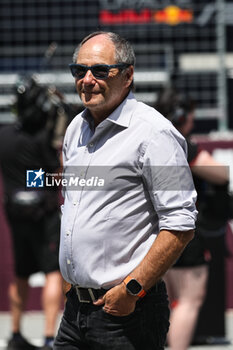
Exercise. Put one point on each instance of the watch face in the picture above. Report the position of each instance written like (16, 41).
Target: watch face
(134, 287)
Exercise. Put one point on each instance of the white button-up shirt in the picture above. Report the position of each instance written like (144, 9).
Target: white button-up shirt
(139, 183)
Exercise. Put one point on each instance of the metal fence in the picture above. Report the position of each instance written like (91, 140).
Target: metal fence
(184, 41)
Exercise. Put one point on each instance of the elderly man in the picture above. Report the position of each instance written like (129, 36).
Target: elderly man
(118, 240)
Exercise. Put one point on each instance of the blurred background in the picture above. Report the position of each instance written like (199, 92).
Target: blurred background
(186, 43)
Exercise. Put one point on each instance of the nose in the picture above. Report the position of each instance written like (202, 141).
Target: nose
(88, 78)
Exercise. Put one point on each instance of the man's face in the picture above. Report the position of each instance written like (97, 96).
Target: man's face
(101, 97)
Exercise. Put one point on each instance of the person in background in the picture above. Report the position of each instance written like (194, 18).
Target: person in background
(118, 240)
(187, 279)
(33, 214)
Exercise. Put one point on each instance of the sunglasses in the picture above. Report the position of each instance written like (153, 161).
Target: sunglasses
(99, 71)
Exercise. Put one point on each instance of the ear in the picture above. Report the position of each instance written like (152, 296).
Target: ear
(129, 76)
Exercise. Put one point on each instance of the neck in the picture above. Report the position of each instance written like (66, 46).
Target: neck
(101, 114)
(98, 118)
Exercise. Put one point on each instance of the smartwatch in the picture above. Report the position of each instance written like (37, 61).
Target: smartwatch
(133, 287)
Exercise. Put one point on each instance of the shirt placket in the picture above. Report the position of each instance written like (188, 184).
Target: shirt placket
(87, 157)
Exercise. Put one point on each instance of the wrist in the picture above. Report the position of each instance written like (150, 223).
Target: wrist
(133, 287)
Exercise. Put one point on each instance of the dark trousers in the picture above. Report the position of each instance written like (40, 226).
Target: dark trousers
(87, 327)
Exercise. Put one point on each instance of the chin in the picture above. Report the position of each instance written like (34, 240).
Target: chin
(92, 102)
(89, 104)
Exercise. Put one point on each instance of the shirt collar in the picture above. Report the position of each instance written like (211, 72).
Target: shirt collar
(123, 113)
(120, 116)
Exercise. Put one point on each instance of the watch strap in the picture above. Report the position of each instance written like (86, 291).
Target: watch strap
(142, 293)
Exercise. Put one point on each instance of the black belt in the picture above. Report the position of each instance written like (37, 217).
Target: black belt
(88, 295)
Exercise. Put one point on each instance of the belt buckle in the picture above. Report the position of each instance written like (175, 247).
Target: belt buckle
(81, 298)
(93, 298)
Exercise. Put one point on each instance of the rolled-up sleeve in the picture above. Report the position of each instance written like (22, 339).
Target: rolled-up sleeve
(168, 179)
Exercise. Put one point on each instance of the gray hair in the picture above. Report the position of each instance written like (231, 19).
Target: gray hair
(124, 52)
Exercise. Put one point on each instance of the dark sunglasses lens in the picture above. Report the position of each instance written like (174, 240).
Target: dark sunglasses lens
(100, 72)
(78, 71)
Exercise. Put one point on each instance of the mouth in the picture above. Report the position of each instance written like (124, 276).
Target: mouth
(90, 92)
(89, 95)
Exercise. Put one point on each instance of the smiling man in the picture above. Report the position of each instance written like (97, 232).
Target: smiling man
(100, 95)
(118, 241)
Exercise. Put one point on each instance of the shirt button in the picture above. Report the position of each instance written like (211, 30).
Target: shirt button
(68, 233)
(68, 261)
(74, 203)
